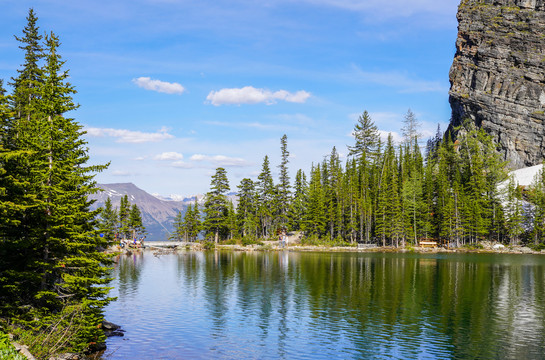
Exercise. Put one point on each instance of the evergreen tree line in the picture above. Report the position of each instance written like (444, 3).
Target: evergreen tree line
(384, 193)
(120, 223)
(52, 267)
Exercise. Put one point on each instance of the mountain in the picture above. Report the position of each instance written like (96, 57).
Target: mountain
(157, 214)
(498, 75)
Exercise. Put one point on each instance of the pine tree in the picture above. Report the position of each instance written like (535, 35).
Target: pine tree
(366, 136)
(352, 196)
(194, 225)
(124, 213)
(315, 218)
(536, 194)
(247, 208)
(231, 221)
(514, 212)
(410, 129)
(429, 198)
(412, 191)
(108, 220)
(27, 84)
(266, 194)
(136, 226)
(216, 206)
(332, 181)
(180, 231)
(365, 151)
(299, 204)
(284, 193)
(51, 235)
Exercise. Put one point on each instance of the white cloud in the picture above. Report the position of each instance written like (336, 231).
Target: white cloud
(158, 85)
(129, 136)
(171, 155)
(183, 165)
(221, 160)
(396, 137)
(251, 95)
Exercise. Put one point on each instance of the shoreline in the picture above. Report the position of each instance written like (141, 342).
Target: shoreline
(273, 246)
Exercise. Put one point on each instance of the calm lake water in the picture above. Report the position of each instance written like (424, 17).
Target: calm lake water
(238, 305)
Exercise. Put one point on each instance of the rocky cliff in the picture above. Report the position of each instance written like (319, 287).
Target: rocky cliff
(498, 74)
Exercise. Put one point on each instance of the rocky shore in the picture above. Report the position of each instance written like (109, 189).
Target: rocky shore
(482, 247)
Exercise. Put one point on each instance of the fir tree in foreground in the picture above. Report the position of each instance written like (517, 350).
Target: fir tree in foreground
(52, 267)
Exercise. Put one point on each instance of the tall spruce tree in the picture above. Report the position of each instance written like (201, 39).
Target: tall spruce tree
(536, 194)
(193, 221)
(180, 230)
(366, 135)
(299, 204)
(284, 193)
(315, 219)
(55, 263)
(124, 213)
(514, 211)
(216, 205)
(108, 220)
(27, 84)
(136, 226)
(266, 193)
(247, 208)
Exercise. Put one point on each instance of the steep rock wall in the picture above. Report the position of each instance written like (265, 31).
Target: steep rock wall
(498, 74)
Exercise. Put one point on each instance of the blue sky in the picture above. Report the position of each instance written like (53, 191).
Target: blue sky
(169, 90)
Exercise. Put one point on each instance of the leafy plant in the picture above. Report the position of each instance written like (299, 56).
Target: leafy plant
(7, 351)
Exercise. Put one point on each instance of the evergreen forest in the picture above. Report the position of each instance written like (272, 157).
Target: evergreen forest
(455, 191)
(124, 222)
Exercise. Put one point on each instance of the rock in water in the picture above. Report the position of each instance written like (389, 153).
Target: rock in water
(498, 75)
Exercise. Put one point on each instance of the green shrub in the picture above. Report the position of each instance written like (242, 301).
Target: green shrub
(315, 241)
(251, 240)
(7, 351)
(537, 247)
(232, 241)
(208, 245)
(477, 246)
(70, 330)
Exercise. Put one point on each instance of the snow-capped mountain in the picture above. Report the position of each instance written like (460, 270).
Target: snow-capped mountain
(157, 214)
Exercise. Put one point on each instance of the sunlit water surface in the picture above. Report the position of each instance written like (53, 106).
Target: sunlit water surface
(255, 305)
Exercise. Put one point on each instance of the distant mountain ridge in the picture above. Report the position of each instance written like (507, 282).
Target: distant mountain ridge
(157, 214)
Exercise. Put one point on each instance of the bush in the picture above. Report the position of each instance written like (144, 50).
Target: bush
(315, 241)
(251, 240)
(74, 329)
(537, 247)
(7, 351)
(477, 246)
(232, 241)
(208, 245)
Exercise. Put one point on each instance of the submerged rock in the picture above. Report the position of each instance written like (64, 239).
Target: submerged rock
(111, 329)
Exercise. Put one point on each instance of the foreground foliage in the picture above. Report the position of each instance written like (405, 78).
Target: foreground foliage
(52, 267)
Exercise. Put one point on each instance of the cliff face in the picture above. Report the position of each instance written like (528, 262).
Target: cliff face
(498, 74)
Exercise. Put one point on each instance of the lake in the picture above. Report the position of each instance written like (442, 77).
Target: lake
(296, 305)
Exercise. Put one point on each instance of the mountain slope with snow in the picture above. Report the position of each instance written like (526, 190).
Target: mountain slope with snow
(157, 214)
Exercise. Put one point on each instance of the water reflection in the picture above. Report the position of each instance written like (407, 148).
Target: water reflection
(316, 305)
